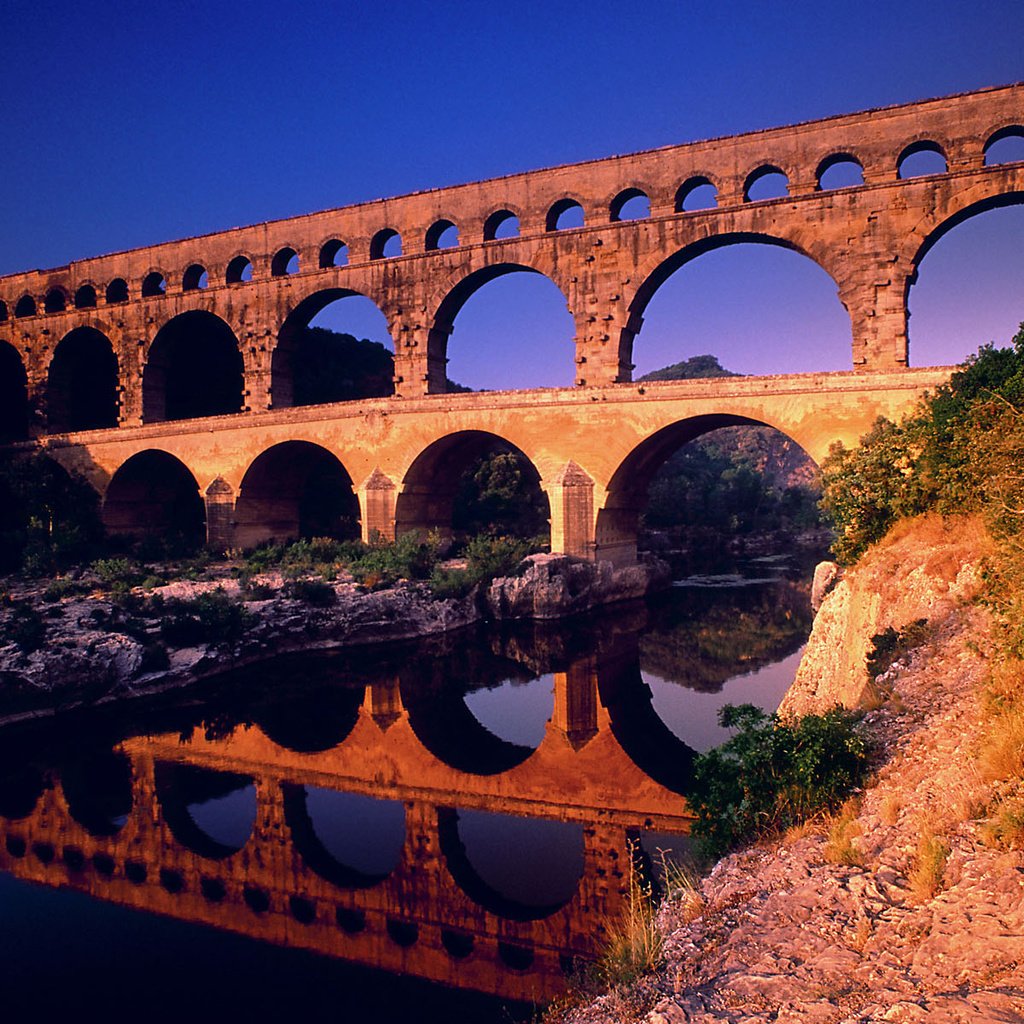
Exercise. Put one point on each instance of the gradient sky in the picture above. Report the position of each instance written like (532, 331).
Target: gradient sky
(124, 124)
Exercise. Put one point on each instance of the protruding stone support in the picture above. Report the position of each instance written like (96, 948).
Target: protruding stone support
(382, 701)
(377, 498)
(571, 498)
(220, 514)
(577, 712)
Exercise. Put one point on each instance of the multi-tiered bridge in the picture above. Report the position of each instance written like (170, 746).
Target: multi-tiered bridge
(166, 374)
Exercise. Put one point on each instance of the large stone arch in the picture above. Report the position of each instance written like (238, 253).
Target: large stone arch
(427, 497)
(13, 395)
(456, 292)
(615, 530)
(193, 368)
(82, 383)
(295, 489)
(180, 785)
(155, 495)
(328, 859)
(464, 861)
(652, 274)
(288, 345)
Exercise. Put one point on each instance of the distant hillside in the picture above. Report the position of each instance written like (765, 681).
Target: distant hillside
(694, 368)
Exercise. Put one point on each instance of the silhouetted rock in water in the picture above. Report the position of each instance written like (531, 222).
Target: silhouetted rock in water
(553, 586)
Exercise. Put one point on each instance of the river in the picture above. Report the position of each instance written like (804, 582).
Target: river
(435, 831)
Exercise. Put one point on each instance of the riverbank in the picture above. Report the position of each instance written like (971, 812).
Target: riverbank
(62, 651)
(909, 905)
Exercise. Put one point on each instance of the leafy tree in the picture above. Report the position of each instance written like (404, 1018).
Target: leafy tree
(500, 495)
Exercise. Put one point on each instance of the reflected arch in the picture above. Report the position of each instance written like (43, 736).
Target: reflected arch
(13, 395)
(741, 261)
(524, 869)
(647, 741)
(154, 495)
(430, 488)
(310, 722)
(209, 812)
(311, 367)
(293, 490)
(966, 271)
(97, 786)
(518, 334)
(193, 369)
(627, 493)
(349, 839)
(82, 383)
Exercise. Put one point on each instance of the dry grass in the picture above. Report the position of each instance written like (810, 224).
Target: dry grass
(634, 941)
(1002, 752)
(842, 829)
(928, 870)
(939, 544)
(1006, 828)
(681, 885)
(892, 804)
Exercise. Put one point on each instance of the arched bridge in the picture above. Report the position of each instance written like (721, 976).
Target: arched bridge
(183, 356)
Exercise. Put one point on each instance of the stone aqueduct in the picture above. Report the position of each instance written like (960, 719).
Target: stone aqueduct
(99, 359)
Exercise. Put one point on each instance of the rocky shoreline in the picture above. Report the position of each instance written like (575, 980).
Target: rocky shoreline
(95, 653)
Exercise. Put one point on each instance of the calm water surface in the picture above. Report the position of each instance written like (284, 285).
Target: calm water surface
(434, 832)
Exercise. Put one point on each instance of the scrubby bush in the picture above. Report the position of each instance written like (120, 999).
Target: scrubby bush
(313, 592)
(24, 626)
(772, 774)
(212, 618)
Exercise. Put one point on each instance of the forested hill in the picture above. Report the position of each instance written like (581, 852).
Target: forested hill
(694, 368)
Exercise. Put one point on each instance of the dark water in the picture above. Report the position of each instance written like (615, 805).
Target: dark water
(428, 832)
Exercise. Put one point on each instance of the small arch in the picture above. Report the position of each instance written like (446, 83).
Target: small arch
(386, 244)
(402, 933)
(195, 278)
(285, 262)
(1005, 146)
(85, 297)
(696, 193)
(81, 388)
(921, 158)
(333, 253)
(56, 301)
(26, 307)
(442, 234)
(154, 284)
(501, 224)
(566, 213)
(295, 489)
(117, 291)
(839, 170)
(239, 270)
(155, 495)
(765, 182)
(458, 945)
(193, 369)
(630, 204)
(3, 312)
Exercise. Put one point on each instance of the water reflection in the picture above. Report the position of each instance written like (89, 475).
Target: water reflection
(463, 813)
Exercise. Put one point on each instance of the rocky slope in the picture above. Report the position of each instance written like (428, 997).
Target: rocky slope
(844, 928)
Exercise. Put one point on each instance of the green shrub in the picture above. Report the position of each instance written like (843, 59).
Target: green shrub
(112, 571)
(772, 774)
(212, 618)
(314, 592)
(64, 587)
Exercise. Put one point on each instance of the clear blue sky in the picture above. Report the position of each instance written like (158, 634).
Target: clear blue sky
(124, 124)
